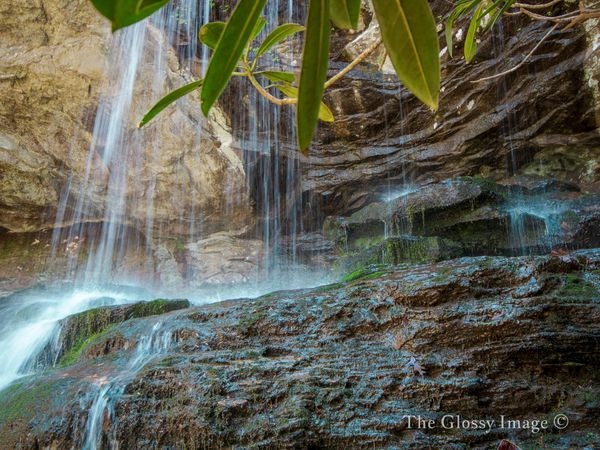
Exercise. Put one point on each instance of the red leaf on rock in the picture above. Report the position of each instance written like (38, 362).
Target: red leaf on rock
(505, 444)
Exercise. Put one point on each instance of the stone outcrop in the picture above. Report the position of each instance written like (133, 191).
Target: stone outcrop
(468, 216)
(346, 365)
(79, 331)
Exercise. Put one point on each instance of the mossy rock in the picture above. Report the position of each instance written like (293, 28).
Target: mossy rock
(399, 250)
(577, 286)
(23, 400)
(80, 330)
(156, 307)
(74, 353)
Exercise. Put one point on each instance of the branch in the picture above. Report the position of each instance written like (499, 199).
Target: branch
(291, 101)
(542, 6)
(501, 74)
(360, 58)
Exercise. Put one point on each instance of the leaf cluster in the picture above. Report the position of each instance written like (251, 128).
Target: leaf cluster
(484, 15)
(408, 32)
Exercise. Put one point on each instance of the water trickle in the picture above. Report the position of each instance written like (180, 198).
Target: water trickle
(100, 430)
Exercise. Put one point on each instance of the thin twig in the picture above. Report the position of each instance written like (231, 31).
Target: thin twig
(522, 62)
(262, 91)
(542, 6)
(360, 58)
(557, 19)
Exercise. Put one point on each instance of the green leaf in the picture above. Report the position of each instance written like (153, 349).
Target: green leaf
(325, 113)
(123, 13)
(499, 12)
(460, 10)
(470, 44)
(277, 35)
(260, 25)
(167, 100)
(210, 33)
(345, 13)
(275, 77)
(229, 49)
(410, 37)
(315, 61)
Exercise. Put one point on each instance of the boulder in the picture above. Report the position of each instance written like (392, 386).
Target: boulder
(348, 365)
(79, 332)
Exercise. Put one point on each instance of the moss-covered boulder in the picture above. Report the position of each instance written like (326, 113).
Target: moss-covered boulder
(79, 331)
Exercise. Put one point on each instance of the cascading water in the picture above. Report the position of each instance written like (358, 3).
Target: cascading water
(96, 241)
(123, 151)
(273, 175)
(34, 322)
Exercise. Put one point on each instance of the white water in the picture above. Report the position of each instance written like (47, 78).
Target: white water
(35, 323)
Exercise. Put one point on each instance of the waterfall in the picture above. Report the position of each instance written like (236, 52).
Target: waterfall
(266, 131)
(98, 234)
(98, 239)
(34, 322)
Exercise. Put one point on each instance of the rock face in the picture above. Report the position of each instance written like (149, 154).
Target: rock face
(383, 136)
(54, 68)
(346, 365)
(220, 260)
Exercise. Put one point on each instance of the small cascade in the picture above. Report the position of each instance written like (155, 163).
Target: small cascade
(535, 225)
(100, 428)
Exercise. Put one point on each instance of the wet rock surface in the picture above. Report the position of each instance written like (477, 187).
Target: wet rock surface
(469, 216)
(343, 365)
(383, 136)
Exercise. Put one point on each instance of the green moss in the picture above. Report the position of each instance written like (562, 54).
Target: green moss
(156, 307)
(73, 355)
(23, 401)
(330, 287)
(365, 273)
(357, 274)
(576, 286)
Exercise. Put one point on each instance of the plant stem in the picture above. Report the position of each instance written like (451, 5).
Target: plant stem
(291, 101)
(360, 58)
